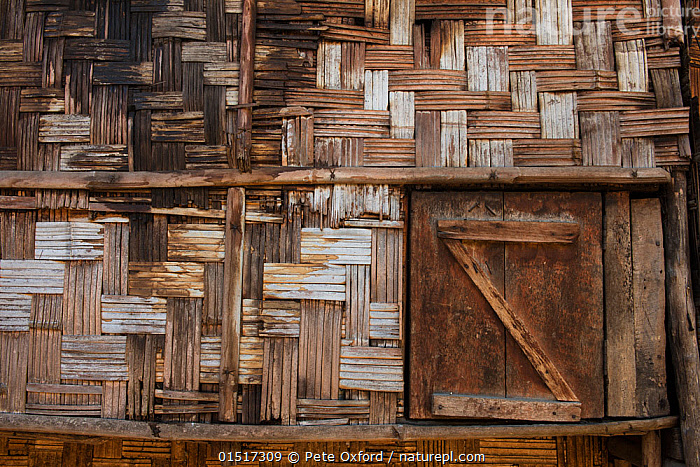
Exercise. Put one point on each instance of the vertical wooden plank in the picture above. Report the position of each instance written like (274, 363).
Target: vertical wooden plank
(231, 320)
(619, 310)
(681, 309)
(451, 52)
(571, 282)
(652, 455)
(649, 305)
(77, 455)
(376, 89)
(441, 298)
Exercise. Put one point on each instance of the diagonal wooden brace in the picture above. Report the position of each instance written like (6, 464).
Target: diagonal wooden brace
(527, 342)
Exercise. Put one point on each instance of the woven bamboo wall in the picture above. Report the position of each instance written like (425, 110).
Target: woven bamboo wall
(112, 303)
(570, 451)
(116, 85)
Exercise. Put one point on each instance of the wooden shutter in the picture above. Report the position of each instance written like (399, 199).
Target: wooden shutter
(537, 259)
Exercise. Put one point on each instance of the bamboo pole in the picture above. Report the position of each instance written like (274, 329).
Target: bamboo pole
(681, 320)
(42, 424)
(244, 122)
(593, 177)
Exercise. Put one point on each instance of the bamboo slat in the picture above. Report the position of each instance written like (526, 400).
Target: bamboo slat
(166, 279)
(196, 242)
(99, 358)
(371, 368)
(302, 281)
(123, 314)
(69, 240)
(31, 276)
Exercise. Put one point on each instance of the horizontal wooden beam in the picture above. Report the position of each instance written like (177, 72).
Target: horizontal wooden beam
(465, 406)
(443, 176)
(40, 426)
(509, 231)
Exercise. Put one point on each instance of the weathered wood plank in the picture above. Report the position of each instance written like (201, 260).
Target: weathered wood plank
(204, 52)
(13, 371)
(280, 318)
(123, 73)
(464, 406)
(453, 138)
(81, 298)
(42, 100)
(178, 127)
(70, 24)
(319, 349)
(573, 274)
(233, 285)
(648, 291)
(503, 125)
(549, 152)
(384, 321)
(642, 123)
(600, 138)
(680, 306)
(619, 305)
(542, 57)
(15, 311)
(509, 231)
(95, 157)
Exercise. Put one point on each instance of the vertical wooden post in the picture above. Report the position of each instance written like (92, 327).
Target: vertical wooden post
(681, 321)
(233, 298)
(651, 450)
(672, 20)
(244, 122)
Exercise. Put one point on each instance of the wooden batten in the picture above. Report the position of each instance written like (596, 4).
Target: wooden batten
(455, 405)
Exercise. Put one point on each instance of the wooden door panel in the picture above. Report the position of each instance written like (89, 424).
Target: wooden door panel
(457, 342)
(557, 291)
(554, 289)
